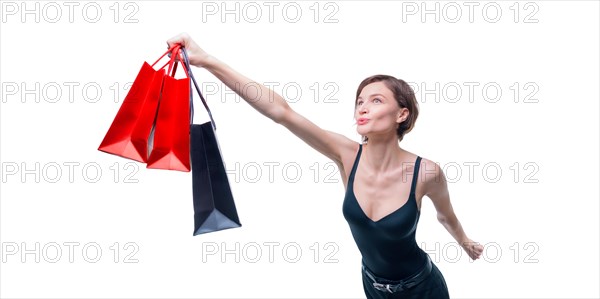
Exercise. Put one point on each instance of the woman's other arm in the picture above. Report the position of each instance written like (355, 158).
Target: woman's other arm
(437, 191)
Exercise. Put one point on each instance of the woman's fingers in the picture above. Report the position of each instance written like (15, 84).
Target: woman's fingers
(474, 250)
(182, 38)
(196, 55)
(477, 250)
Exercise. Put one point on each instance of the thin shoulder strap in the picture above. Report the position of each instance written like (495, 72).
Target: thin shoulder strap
(355, 162)
(413, 186)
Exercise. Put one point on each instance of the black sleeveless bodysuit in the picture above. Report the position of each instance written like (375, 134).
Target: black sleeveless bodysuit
(388, 246)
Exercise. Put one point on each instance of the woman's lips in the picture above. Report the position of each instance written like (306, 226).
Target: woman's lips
(362, 121)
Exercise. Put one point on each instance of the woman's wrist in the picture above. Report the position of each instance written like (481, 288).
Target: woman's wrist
(465, 241)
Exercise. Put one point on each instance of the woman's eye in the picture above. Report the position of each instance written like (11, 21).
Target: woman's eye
(377, 100)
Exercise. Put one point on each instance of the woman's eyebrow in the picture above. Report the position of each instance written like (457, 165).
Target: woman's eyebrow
(378, 94)
(373, 95)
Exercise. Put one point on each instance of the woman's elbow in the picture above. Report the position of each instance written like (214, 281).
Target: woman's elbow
(281, 114)
(442, 219)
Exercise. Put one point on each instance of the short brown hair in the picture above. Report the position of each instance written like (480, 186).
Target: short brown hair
(404, 95)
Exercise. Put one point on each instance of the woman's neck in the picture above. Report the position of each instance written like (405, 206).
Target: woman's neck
(383, 155)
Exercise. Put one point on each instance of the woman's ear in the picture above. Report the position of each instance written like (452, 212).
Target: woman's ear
(402, 115)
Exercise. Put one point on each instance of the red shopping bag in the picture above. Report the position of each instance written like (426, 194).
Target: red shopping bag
(129, 132)
(171, 140)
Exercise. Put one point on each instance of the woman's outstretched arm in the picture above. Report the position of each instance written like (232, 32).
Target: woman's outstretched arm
(437, 191)
(269, 103)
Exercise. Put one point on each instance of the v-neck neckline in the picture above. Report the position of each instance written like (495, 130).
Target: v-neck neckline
(351, 186)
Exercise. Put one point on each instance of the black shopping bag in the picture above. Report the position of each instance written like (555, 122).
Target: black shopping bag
(214, 207)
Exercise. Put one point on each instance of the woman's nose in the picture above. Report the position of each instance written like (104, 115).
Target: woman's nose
(362, 109)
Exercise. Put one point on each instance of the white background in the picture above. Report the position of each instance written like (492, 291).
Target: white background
(538, 221)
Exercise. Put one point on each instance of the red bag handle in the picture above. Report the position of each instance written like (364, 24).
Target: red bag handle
(172, 60)
(168, 51)
(172, 63)
(179, 57)
(177, 53)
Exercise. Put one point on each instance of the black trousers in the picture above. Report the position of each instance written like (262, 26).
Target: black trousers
(433, 287)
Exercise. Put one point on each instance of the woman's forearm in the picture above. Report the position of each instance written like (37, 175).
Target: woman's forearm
(472, 248)
(455, 229)
(261, 98)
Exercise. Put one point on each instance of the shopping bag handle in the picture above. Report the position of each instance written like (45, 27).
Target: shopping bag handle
(170, 50)
(172, 63)
(186, 64)
(178, 58)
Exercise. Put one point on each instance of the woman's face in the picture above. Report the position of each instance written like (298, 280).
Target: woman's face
(377, 111)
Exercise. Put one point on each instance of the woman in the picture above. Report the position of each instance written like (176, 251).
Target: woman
(381, 205)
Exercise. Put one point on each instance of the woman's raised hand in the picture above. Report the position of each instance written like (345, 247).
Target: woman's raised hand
(196, 55)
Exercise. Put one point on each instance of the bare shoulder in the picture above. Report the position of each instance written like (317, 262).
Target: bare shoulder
(431, 176)
(347, 150)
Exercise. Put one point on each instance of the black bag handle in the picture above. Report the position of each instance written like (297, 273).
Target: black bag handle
(187, 66)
